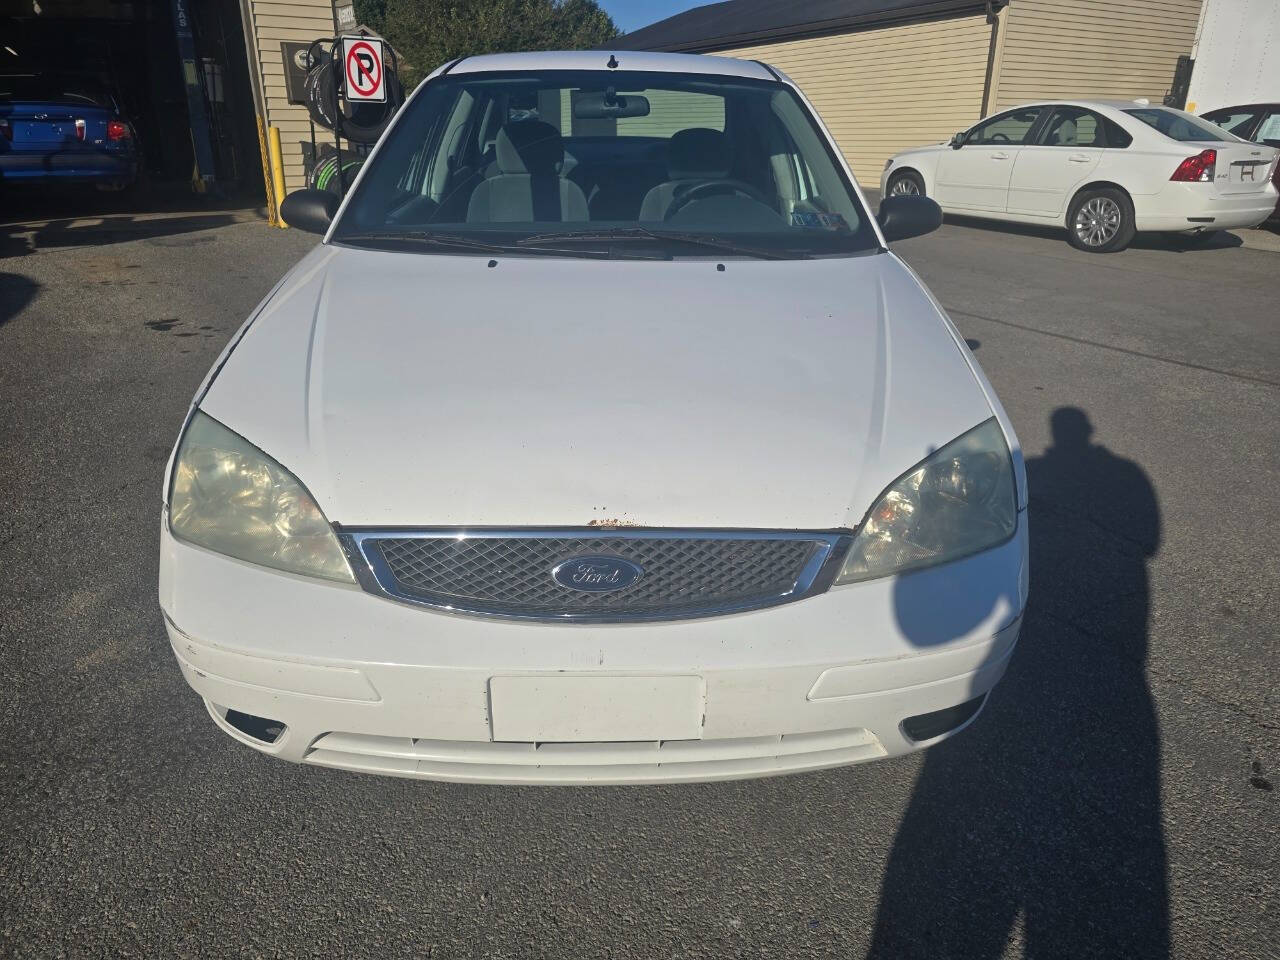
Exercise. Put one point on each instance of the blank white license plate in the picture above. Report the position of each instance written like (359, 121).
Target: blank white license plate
(588, 709)
(1249, 171)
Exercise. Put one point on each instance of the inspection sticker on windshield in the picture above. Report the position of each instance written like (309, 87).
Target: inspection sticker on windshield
(819, 221)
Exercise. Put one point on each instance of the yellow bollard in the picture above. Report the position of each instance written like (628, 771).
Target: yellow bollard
(277, 169)
(273, 202)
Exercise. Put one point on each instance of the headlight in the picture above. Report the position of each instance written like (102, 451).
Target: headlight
(957, 502)
(229, 496)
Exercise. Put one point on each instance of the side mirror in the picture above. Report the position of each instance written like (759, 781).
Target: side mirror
(906, 216)
(957, 141)
(310, 210)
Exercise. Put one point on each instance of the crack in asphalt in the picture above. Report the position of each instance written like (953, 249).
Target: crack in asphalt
(1250, 378)
(1169, 679)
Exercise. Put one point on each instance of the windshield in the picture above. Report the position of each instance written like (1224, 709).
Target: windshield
(618, 164)
(1180, 126)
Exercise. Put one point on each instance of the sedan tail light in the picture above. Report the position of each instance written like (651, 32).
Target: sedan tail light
(6, 129)
(119, 130)
(1197, 169)
(80, 129)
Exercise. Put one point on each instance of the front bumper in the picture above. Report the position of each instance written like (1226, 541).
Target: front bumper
(366, 683)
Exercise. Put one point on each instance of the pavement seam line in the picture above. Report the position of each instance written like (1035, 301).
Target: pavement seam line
(1125, 350)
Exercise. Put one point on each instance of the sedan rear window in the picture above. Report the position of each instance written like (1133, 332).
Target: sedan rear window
(1269, 130)
(1179, 126)
(51, 88)
(1233, 121)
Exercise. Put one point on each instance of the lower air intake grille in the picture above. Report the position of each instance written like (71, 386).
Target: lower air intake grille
(678, 574)
(594, 763)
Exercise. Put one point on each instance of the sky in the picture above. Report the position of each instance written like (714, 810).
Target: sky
(633, 14)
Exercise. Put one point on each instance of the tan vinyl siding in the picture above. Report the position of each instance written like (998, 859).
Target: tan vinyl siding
(880, 91)
(1093, 48)
(273, 22)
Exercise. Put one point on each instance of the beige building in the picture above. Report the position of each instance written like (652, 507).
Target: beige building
(889, 74)
(268, 22)
(202, 80)
(884, 74)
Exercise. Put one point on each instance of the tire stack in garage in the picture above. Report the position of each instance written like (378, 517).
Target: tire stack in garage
(358, 123)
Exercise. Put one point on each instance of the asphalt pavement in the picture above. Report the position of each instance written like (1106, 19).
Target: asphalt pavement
(1116, 799)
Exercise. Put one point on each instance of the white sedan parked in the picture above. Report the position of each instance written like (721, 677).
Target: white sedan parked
(601, 440)
(1104, 169)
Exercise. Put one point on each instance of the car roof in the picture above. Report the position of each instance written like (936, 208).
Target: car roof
(624, 60)
(1116, 109)
(1091, 104)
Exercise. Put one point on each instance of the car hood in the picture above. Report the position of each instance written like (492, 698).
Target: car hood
(419, 390)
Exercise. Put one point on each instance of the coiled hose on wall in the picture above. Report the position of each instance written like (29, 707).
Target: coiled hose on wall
(367, 120)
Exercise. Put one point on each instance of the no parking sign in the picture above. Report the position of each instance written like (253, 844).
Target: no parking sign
(362, 69)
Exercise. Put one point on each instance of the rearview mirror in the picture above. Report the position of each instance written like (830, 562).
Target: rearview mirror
(310, 210)
(608, 106)
(906, 216)
(957, 141)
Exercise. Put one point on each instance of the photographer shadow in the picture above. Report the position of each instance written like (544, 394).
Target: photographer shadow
(1038, 830)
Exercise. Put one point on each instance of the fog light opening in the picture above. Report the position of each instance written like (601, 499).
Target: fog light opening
(262, 729)
(926, 726)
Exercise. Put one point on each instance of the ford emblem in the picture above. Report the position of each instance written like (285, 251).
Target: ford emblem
(597, 574)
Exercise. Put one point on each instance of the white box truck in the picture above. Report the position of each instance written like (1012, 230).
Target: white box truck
(1236, 54)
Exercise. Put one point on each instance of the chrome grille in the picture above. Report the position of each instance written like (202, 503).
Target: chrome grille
(509, 573)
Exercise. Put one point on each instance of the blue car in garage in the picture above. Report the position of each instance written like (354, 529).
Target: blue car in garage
(64, 129)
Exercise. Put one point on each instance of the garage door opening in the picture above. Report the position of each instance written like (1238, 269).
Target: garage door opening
(184, 95)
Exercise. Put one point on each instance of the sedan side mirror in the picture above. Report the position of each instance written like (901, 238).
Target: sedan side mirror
(957, 141)
(906, 216)
(310, 210)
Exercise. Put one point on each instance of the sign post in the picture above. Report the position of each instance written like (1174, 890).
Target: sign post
(363, 75)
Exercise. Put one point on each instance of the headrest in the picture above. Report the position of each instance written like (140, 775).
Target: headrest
(698, 153)
(1066, 132)
(529, 146)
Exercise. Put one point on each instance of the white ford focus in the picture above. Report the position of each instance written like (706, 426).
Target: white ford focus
(1103, 169)
(602, 440)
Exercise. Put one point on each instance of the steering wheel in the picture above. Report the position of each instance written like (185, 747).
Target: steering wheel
(999, 137)
(712, 188)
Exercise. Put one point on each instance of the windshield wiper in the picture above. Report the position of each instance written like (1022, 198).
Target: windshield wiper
(644, 233)
(454, 242)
